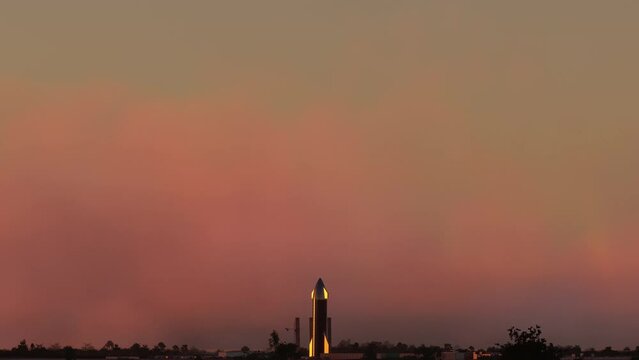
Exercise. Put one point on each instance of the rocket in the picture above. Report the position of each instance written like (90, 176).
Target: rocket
(320, 323)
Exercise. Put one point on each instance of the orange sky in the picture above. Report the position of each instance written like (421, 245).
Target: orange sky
(184, 173)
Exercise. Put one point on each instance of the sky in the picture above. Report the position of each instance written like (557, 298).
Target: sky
(185, 171)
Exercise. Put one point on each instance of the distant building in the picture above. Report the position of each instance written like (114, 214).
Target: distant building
(390, 356)
(359, 356)
(231, 354)
(459, 355)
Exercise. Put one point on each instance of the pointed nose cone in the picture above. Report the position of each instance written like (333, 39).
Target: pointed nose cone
(320, 292)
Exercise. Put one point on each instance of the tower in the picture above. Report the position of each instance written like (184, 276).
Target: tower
(297, 332)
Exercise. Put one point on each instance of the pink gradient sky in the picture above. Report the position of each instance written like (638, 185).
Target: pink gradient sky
(184, 173)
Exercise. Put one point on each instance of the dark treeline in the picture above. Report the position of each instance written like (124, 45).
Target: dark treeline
(523, 345)
(88, 351)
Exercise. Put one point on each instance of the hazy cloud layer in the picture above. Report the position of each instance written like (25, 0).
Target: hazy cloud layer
(151, 219)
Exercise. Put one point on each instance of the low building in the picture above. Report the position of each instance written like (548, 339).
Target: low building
(231, 354)
(459, 355)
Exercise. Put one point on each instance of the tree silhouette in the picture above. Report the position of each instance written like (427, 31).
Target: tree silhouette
(160, 347)
(22, 347)
(429, 352)
(274, 340)
(69, 353)
(370, 351)
(109, 346)
(527, 345)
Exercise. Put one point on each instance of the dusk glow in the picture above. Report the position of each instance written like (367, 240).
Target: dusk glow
(185, 173)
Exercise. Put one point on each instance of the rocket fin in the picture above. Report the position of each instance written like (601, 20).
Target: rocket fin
(326, 346)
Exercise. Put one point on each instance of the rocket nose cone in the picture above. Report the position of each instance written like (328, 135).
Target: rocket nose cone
(320, 292)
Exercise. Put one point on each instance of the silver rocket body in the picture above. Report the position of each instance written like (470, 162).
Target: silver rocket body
(319, 342)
